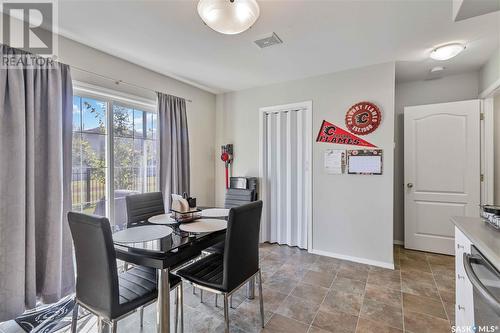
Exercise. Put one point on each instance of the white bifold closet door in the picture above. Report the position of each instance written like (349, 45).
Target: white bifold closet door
(286, 154)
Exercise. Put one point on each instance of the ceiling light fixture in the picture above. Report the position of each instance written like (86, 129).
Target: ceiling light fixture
(437, 69)
(229, 17)
(447, 51)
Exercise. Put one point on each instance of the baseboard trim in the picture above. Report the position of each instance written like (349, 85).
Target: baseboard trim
(398, 242)
(354, 259)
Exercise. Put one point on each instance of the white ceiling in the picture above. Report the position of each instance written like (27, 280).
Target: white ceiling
(319, 37)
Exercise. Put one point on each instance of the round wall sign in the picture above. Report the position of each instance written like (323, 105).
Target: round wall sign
(363, 118)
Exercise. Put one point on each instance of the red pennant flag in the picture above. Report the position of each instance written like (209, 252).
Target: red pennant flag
(333, 134)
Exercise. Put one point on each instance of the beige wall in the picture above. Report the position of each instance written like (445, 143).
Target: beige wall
(352, 215)
(201, 112)
(447, 89)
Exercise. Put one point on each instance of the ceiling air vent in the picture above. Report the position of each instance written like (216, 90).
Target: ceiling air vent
(268, 41)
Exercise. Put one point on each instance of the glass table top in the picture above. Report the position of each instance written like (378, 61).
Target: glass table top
(170, 243)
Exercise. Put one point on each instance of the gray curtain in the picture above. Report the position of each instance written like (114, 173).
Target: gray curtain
(174, 146)
(36, 261)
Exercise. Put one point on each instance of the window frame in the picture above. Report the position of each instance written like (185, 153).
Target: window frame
(111, 97)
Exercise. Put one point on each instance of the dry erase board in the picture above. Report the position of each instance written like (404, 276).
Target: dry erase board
(364, 162)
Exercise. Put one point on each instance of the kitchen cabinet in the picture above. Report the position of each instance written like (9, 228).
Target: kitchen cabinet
(464, 307)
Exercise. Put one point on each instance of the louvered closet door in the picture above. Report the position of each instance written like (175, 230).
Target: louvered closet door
(286, 154)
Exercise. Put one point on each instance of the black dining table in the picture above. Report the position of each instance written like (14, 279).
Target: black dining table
(164, 255)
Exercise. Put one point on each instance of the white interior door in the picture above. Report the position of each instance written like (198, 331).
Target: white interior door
(285, 174)
(442, 171)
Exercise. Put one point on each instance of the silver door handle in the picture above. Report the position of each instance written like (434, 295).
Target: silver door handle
(409, 185)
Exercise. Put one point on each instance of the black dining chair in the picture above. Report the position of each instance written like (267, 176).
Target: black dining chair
(140, 207)
(225, 273)
(235, 197)
(99, 288)
(238, 196)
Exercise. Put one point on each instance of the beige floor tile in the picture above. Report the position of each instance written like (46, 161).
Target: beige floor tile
(382, 313)
(281, 324)
(417, 287)
(341, 301)
(386, 278)
(298, 309)
(370, 326)
(318, 279)
(450, 312)
(281, 284)
(314, 294)
(336, 322)
(412, 254)
(247, 317)
(383, 295)
(422, 323)
(294, 272)
(441, 259)
(272, 298)
(349, 285)
(443, 270)
(445, 282)
(324, 267)
(410, 265)
(354, 271)
(314, 329)
(447, 296)
(418, 276)
(425, 305)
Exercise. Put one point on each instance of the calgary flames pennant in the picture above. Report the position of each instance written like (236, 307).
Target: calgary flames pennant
(331, 133)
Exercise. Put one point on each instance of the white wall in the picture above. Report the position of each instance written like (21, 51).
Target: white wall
(352, 215)
(200, 113)
(490, 72)
(447, 89)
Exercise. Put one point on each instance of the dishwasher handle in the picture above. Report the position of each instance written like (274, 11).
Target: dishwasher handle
(477, 284)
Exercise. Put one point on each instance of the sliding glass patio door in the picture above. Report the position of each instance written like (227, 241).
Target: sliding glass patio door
(114, 155)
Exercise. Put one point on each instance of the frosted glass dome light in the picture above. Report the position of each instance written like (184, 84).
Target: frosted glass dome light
(229, 16)
(447, 51)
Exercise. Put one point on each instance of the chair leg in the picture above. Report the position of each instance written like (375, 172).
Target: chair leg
(194, 291)
(231, 302)
(261, 299)
(141, 316)
(181, 302)
(176, 309)
(74, 318)
(216, 297)
(99, 325)
(113, 326)
(226, 314)
(201, 295)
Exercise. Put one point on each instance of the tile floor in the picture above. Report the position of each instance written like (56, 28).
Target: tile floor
(315, 294)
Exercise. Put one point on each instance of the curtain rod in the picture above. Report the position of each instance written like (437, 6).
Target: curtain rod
(118, 82)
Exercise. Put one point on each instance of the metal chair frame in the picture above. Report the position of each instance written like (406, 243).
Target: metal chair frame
(113, 322)
(227, 295)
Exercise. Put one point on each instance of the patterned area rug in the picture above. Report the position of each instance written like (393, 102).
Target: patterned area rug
(50, 318)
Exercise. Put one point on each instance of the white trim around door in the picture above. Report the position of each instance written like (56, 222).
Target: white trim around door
(306, 134)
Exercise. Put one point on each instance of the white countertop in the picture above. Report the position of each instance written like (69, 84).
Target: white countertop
(482, 235)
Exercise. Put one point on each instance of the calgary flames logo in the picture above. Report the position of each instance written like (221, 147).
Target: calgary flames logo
(363, 118)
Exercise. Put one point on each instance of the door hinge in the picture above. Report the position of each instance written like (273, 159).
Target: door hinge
(481, 116)
(482, 178)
